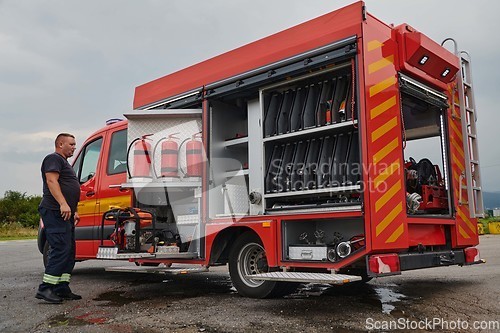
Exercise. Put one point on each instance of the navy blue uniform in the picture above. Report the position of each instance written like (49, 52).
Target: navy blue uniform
(60, 233)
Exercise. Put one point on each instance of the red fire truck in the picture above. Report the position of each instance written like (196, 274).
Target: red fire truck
(335, 151)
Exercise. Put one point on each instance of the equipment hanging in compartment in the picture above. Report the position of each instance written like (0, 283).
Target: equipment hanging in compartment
(324, 105)
(311, 165)
(272, 114)
(297, 109)
(329, 161)
(273, 167)
(309, 104)
(283, 120)
(325, 159)
(312, 104)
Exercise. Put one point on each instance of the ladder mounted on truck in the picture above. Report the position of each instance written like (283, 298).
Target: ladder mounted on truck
(468, 117)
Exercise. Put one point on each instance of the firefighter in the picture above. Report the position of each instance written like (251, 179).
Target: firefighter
(61, 192)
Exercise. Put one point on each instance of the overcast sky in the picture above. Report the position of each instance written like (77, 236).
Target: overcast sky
(68, 66)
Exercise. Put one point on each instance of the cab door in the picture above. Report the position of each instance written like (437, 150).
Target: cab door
(86, 167)
(113, 173)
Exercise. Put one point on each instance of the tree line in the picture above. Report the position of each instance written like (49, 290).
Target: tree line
(17, 207)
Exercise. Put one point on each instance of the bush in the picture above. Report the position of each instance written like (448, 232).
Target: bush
(17, 207)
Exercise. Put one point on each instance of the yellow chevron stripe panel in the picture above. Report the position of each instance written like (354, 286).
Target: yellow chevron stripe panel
(374, 44)
(382, 177)
(459, 149)
(379, 109)
(387, 196)
(458, 162)
(382, 85)
(396, 234)
(385, 151)
(466, 220)
(380, 64)
(388, 219)
(456, 130)
(462, 232)
(382, 130)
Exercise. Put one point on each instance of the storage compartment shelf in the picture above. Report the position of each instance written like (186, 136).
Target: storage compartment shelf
(236, 173)
(238, 142)
(310, 131)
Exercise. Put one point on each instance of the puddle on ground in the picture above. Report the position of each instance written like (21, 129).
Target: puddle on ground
(384, 297)
(309, 290)
(387, 298)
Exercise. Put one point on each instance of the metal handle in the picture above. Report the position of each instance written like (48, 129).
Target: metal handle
(306, 254)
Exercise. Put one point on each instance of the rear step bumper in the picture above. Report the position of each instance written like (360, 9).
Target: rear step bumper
(305, 277)
(410, 261)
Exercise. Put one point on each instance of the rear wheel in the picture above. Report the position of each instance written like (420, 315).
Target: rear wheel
(248, 257)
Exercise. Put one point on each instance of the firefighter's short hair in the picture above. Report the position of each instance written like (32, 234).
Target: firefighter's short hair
(61, 135)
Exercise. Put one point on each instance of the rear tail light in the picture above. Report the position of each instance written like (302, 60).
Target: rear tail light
(472, 255)
(384, 264)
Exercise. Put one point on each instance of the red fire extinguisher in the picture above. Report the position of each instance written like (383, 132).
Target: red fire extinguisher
(194, 150)
(169, 156)
(142, 157)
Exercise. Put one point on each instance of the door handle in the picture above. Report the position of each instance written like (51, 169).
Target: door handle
(90, 193)
(124, 190)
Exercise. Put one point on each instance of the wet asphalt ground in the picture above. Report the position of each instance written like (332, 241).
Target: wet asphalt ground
(452, 299)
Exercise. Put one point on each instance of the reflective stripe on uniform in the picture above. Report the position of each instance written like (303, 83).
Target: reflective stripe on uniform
(51, 279)
(65, 277)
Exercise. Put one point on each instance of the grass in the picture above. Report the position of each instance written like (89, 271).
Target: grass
(13, 231)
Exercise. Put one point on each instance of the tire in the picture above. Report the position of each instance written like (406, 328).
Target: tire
(45, 253)
(248, 257)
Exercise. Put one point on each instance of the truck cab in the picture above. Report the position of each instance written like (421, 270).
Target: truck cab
(100, 166)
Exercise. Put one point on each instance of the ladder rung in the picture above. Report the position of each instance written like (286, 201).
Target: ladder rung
(474, 136)
(476, 188)
(476, 162)
(471, 110)
(467, 84)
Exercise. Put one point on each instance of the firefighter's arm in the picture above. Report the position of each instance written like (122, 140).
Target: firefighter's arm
(55, 190)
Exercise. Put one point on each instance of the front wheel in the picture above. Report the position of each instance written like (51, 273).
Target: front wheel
(248, 257)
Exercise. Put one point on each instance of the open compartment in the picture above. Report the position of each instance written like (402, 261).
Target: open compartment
(322, 239)
(229, 157)
(427, 171)
(313, 161)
